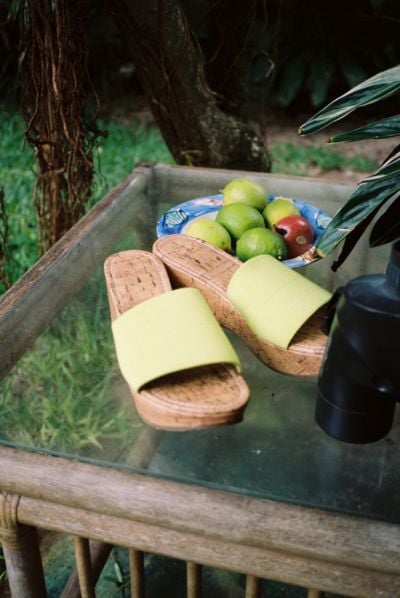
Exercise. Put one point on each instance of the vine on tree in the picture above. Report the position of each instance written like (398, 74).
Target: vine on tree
(61, 126)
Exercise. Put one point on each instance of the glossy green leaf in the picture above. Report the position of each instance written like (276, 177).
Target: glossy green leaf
(392, 154)
(389, 169)
(367, 198)
(353, 237)
(387, 127)
(387, 228)
(372, 90)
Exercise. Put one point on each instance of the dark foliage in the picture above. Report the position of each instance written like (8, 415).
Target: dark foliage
(377, 190)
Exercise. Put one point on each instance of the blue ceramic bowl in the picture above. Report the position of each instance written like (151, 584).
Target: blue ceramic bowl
(175, 220)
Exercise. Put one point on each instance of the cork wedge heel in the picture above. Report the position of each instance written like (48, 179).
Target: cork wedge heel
(193, 263)
(210, 394)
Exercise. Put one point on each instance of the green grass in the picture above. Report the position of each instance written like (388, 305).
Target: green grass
(60, 395)
(17, 180)
(115, 156)
(289, 158)
(127, 144)
(72, 408)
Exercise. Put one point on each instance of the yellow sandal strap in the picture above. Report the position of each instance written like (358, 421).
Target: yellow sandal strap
(168, 333)
(274, 300)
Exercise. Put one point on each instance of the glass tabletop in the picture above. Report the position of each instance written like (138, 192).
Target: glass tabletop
(65, 396)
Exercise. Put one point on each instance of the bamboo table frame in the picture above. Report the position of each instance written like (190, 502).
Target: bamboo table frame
(314, 548)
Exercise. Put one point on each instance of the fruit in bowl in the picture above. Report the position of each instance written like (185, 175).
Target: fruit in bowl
(210, 231)
(279, 208)
(237, 218)
(297, 234)
(245, 191)
(251, 230)
(258, 241)
(252, 220)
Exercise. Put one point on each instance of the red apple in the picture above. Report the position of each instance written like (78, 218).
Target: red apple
(297, 233)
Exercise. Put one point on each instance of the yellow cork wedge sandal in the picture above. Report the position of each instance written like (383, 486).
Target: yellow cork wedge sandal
(275, 310)
(181, 369)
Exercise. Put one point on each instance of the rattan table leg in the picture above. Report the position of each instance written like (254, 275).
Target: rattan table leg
(193, 580)
(136, 567)
(253, 586)
(84, 567)
(139, 456)
(99, 553)
(312, 593)
(21, 552)
(144, 448)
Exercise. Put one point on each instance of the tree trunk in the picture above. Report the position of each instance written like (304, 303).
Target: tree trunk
(55, 97)
(169, 65)
(229, 52)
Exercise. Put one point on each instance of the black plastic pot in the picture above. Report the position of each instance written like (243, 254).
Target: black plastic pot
(359, 381)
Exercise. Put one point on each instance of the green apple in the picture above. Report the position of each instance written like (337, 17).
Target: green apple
(260, 241)
(245, 191)
(279, 208)
(236, 218)
(210, 231)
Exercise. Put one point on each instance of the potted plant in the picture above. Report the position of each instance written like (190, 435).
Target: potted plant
(379, 189)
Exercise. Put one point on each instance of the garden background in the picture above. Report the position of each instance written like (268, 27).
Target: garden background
(297, 57)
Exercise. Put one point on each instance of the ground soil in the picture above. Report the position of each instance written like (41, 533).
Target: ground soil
(284, 128)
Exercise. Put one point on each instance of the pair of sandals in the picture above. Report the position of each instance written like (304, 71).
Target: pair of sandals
(182, 371)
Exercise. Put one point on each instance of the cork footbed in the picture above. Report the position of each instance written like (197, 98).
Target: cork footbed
(193, 263)
(195, 398)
